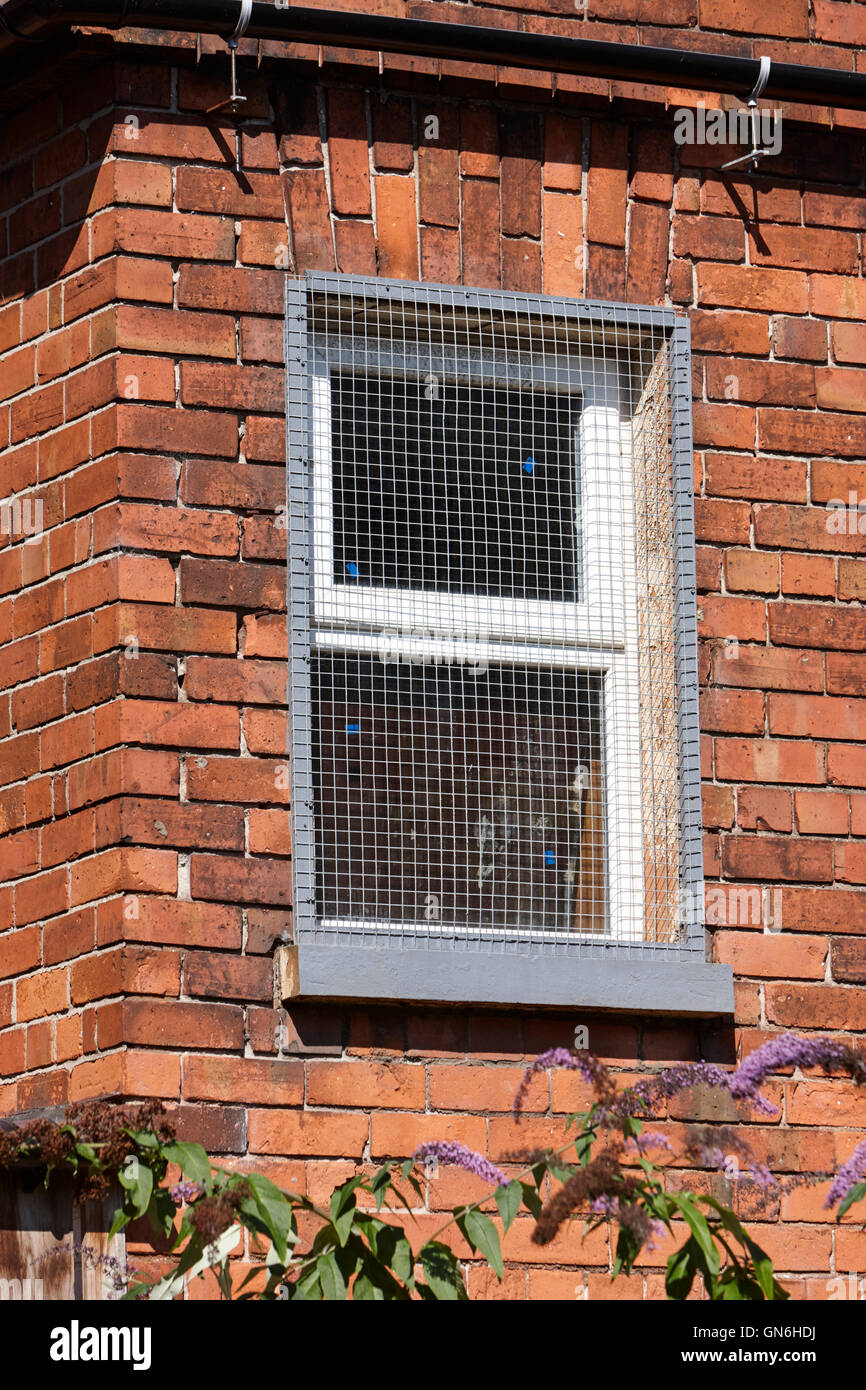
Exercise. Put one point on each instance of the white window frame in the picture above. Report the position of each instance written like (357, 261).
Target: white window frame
(598, 634)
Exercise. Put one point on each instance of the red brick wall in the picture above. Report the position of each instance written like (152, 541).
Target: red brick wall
(144, 865)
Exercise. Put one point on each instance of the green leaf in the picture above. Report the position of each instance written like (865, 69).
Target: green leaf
(532, 1199)
(343, 1197)
(442, 1271)
(121, 1219)
(272, 1209)
(681, 1270)
(191, 1159)
(342, 1225)
(854, 1195)
(144, 1138)
(161, 1212)
(308, 1289)
(763, 1265)
(137, 1178)
(628, 1247)
(333, 1284)
(484, 1237)
(697, 1223)
(508, 1200)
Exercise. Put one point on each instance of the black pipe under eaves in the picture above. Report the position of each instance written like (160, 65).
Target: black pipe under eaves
(23, 22)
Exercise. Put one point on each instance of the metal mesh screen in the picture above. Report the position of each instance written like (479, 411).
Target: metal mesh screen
(486, 611)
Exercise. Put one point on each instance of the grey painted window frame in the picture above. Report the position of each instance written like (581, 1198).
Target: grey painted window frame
(610, 975)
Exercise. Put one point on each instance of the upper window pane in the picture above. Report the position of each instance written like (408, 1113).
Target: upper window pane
(457, 488)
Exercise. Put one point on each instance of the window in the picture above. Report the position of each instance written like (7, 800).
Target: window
(493, 652)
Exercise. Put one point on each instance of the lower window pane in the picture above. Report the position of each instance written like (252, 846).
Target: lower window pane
(452, 795)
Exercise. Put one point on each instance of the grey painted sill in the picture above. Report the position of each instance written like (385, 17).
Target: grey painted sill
(681, 983)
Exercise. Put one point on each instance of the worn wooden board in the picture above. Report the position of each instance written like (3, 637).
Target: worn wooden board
(50, 1247)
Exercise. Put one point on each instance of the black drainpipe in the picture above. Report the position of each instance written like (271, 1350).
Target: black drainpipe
(25, 21)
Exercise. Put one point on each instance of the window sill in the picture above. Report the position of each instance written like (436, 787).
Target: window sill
(678, 983)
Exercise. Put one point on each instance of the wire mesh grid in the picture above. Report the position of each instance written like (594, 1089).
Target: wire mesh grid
(486, 604)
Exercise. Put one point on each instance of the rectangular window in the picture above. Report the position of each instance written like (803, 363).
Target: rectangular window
(492, 619)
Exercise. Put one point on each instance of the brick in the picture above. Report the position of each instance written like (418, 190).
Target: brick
(349, 160)
(238, 388)
(764, 808)
(723, 426)
(269, 832)
(816, 1006)
(229, 585)
(356, 247)
(310, 220)
(809, 575)
(145, 329)
(769, 955)
(607, 191)
(248, 291)
(803, 339)
(257, 1082)
(821, 813)
(732, 711)
(718, 807)
(848, 960)
(709, 239)
(438, 168)
(520, 172)
(852, 579)
(832, 910)
(148, 821)
(648, 253)
(721, 616)
(479, 142)
(816, 625)
(393, 143)
(837, 297)
(182, 236)
(833, 252)
(320, 1134)
(20, 951)
(850, 863)
(815, 715)
(563, 153)
(219, 878)
(758, 288)
(761, 383)
(45, 993)
(169, 1023)
(481, 258)
(849, 342)
(769, 858)
(808, 528)
(165, 628)
(766, 760)
(718, 330)
(215, 975)
(394, 1135)
(223, 191)
(752, 571)
(366, 1085)
(396, 227)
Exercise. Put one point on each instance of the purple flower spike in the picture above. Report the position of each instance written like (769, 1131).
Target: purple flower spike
(652, 1139)
(788, 1051)
(581, 1062)
(457, 1155)
(852, 1172)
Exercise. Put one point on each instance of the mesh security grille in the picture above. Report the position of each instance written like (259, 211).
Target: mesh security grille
(491, 604)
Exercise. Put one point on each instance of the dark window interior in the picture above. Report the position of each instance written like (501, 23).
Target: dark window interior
(456, 795)
(454, 487)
